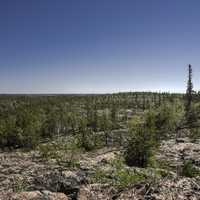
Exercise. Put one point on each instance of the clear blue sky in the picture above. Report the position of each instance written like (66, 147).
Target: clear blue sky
(72, 46)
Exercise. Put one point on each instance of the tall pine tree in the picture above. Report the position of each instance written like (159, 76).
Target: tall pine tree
(189, 91)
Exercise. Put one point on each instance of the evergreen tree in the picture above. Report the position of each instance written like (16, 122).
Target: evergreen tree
(95, 118)
(190, 113)
(189, 91)
(143, 102)
(141, 141)
(159, 99)
(113, 116)
(85, 135)
(105, 125)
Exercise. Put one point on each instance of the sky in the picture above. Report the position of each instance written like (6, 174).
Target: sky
(98, 46)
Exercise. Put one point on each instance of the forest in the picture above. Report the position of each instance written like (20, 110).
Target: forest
(28, 120)
(131, 141)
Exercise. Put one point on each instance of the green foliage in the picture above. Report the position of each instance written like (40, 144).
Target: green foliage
(19, 184)
(141, 142)
(21, 129)
(85, 136)
(105, 125)
(147, 131)
(124, 177)
(63, 152)
(120, 177)
(189, 170)
(25, 121)
(194, 134)
(100, 176)
(167, 117)
(113, 116)
(189, 92)
(47, 151)
(117, 174)
(192, 121)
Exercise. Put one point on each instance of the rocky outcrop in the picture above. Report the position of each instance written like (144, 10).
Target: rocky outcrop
(67, 182)
(44, 181)
(167, 189)
(176, 152)
(33, 195)
(96, 192)
(26, 172)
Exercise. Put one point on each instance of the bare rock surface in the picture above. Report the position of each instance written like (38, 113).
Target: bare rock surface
(25, 176)
(67, 182)
(167, 189)
(20, 171)
(96, 192)
(33, 195)
(88, 162)
(176, 152)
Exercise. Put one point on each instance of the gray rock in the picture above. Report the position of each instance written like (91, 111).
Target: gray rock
(67, 182)
(33, 195)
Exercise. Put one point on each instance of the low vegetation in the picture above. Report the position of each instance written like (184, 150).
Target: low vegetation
(189, 170)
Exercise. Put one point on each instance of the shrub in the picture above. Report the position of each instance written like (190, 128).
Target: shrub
(189, 170)
(141, 142)
(19, 184)
(64, 153)
(85, 136)
(167, 118)
(21, 129)
(124, 177)
(121, 177)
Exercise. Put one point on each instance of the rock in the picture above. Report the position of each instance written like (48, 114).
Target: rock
(182, 140)
(18, 169)
(164, 189)
(107, 155)
(167, 189)
(33, 195)
(36, 195)
(67, 182)
(54, 196)
(96, 192)
(176, 153)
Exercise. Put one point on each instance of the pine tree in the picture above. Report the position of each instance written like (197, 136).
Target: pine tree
(189, 91)
(95, 118)
(159, 99)
(141, 143)
(113, 116)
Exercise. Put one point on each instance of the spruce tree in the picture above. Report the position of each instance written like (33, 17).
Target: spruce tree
(143, 102)
(189, 91)
(113, 116)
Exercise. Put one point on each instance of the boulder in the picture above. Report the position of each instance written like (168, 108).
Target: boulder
(67, 182)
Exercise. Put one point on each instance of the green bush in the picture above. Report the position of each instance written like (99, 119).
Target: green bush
(189, 170)
(21, 129)
(141, 142)
(85, 136)
(120, 177)
(64, 153)
(124, 177)
(168, 116)
(19, 184)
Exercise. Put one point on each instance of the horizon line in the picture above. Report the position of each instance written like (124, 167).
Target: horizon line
(88, 93)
